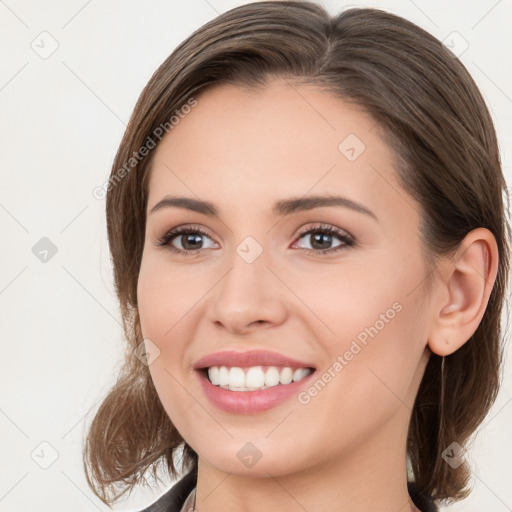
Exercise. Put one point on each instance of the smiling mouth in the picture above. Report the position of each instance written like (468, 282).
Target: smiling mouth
(254, 378)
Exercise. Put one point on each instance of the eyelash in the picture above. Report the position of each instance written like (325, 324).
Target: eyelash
(346, 239)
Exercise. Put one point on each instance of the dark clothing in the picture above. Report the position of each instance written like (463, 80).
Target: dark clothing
(424, 503)
(173, 499)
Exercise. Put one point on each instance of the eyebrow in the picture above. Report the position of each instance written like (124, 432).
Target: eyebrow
(282, 207)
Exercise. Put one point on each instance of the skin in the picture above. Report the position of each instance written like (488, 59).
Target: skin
(345, 449)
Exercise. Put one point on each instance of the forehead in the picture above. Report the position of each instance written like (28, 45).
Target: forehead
(258, 144)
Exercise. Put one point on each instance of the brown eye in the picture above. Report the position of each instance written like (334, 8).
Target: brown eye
(321, 239)
(184, 240)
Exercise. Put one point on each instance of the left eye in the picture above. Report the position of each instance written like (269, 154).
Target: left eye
(322, 237)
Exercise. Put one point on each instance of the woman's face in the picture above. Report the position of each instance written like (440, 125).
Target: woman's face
(338, 287)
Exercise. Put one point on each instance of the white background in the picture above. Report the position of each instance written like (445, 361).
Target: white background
(62, 119)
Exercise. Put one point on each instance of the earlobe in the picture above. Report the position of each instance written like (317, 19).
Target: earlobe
(465, 286)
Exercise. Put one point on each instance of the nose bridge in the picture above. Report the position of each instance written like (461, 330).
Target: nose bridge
(244, 285)
(246, 294)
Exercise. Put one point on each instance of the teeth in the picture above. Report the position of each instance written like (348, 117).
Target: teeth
(254, 378)
(286, 375)
(236, 377)
(300, 373)
(272, 377)
(213, 374)
(223, 376)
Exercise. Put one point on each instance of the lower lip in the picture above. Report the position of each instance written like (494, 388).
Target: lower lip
(249, 402)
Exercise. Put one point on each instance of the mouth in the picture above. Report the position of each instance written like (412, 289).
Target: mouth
(237, 399)
(254, 378)
(251, 381)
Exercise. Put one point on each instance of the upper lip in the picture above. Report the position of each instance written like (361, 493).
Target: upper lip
(249, 358)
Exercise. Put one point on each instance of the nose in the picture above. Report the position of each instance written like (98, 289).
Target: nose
(248, 297)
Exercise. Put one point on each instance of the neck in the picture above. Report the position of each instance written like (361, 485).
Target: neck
(365, 477)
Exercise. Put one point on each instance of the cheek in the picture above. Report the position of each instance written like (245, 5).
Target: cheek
(171, 394)
(354, 300)
(165, 298)
(369, 378)
(168, 319)
(373, 330)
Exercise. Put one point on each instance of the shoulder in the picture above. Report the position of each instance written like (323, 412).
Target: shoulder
(174, 498)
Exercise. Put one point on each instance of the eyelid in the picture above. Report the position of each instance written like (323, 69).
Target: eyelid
(322, 226)
(166, 238)
(346, 238)
(348, 241)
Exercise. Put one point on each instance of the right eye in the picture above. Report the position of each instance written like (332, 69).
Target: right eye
(189, 239)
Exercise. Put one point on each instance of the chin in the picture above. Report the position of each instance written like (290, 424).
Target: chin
(259, 458)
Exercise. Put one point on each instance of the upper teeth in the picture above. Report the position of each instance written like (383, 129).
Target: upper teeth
(248, 379)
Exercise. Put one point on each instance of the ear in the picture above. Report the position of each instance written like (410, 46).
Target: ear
(466, 282)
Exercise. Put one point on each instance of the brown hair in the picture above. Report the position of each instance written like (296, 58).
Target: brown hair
(447, 158)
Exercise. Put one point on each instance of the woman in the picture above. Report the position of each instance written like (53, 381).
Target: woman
(310, 251)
